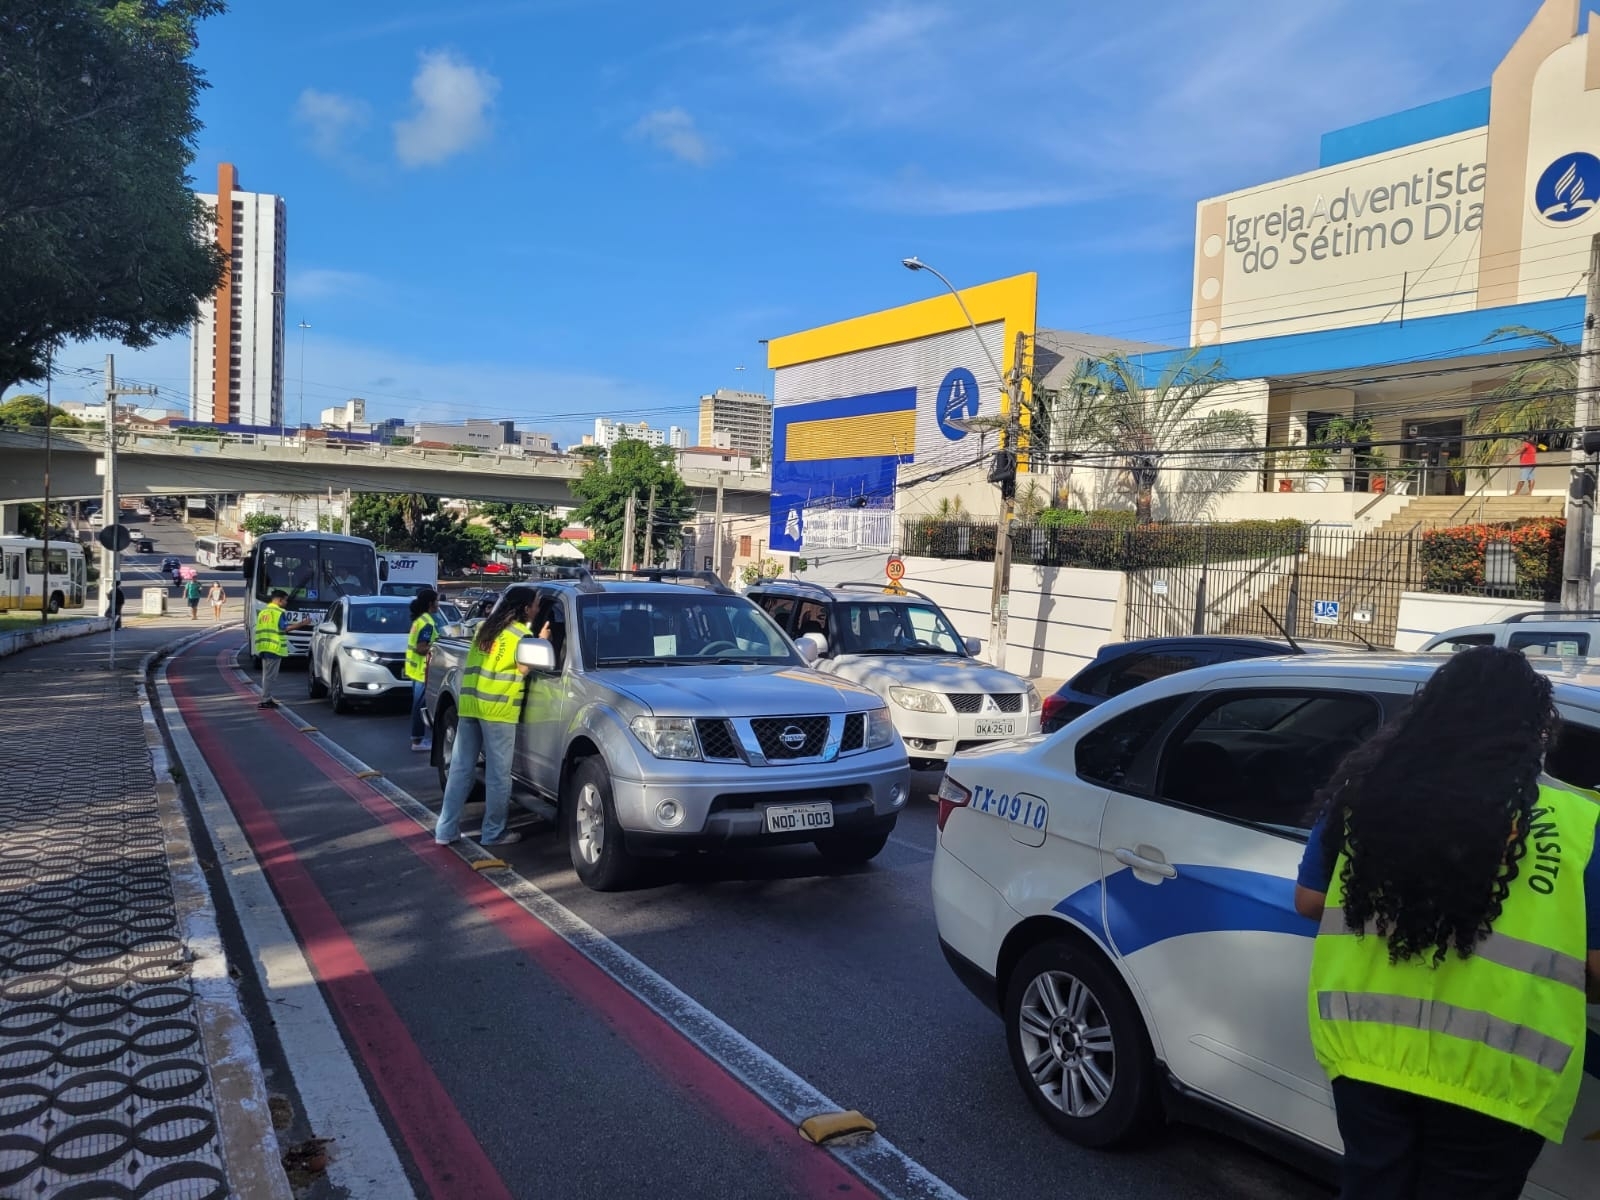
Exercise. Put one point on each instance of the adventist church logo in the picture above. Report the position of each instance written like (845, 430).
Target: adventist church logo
(958, 398)
(1569, 188)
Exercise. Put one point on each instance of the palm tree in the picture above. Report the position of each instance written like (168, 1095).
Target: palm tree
(1144, 424)
(1538, 394)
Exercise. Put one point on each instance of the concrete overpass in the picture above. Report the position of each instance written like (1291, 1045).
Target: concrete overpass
(168, 464)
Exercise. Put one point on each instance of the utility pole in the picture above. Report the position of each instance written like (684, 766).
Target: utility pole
(716, 534)
(649, 529)
(111, 560)
(347, 512)
(627, 532)
(1578, 566)
(1005, 474)
(44, 609)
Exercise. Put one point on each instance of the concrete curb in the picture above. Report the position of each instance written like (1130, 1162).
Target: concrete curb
(248, 1141)
(69, 627)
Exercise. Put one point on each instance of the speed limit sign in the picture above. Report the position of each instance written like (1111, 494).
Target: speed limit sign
(895, 569)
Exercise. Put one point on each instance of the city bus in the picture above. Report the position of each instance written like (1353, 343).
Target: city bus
(224, 554)
(24, 582)
(315, 569)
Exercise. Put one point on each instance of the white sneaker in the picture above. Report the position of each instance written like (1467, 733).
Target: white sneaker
(423, 746)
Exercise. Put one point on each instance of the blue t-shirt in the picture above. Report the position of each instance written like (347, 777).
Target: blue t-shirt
(1317, 875)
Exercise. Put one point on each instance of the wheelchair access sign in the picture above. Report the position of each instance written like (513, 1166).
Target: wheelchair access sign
(1325, 612)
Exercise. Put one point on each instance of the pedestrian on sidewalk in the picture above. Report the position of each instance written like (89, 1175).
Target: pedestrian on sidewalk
(217, 597)
(191, 593)
(118, 599)
(1458, 892)
(270, 644)
(424, 628)
(492, 687)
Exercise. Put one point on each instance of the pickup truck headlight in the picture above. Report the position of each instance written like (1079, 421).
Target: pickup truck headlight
(917, 700)
(880, 729)
(667, 737)
(361, 653)
(1034, 703)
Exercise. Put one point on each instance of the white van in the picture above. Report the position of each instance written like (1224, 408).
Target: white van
(409, 572)
(1539, 634)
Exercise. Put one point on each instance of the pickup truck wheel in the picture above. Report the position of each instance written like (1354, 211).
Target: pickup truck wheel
(594, 839)
(853, 849)
(445, 724)
(341, 702)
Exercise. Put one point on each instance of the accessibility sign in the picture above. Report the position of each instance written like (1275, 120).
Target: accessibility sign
(1325, 612)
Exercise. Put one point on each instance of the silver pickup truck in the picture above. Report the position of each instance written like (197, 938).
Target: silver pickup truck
(671, 714)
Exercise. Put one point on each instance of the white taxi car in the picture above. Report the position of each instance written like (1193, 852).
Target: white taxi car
(1121, 893)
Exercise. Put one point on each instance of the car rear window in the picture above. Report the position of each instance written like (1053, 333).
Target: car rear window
(1552, 643)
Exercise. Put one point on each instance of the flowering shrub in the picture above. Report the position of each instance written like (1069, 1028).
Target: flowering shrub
(1453, 558)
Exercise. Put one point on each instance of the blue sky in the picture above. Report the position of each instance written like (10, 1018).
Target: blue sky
(552, 210)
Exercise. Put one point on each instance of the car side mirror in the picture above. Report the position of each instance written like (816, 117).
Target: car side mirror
(973, 646)
(812, 646)
(455, 630)
(327, 627)
(536, 654)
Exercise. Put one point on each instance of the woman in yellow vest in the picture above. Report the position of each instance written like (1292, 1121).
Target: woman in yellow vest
(487, 716)
(1458, 894)
(424, 628)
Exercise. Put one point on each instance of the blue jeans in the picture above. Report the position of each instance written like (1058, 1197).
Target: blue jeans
(418, 729)
(497, 740)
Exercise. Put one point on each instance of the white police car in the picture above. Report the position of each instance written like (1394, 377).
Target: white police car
(1121, 892)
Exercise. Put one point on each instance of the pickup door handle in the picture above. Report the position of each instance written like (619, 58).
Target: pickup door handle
(1139, 862)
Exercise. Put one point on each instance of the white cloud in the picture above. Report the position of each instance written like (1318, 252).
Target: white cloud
(674, 131)
(332, 119)
(321, 283)
(452, 100)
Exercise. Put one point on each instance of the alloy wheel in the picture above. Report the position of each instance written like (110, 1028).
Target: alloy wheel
(1066, 1040)
(591, 819)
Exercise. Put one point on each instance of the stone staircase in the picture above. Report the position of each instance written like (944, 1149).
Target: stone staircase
(1432, 512)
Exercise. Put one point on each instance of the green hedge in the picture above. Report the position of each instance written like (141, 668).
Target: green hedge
(1082, 543)
(1453, 558)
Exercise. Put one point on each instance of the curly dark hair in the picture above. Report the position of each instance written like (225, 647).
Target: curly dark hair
(1433, 811)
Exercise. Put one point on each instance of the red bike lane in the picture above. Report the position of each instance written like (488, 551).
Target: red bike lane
(504, 1062)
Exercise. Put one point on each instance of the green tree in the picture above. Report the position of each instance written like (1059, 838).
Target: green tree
(1152, 425)
(511, 521)
(412, 521)
(632, 468)
(27, 411)
(259, 523)
(1537, 395)
(99, 230)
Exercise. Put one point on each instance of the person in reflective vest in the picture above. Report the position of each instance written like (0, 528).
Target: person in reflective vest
(1457, 891)
(269, 643)
(424, 628)
(488, 711)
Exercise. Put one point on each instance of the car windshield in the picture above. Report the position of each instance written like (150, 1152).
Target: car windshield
(647, 628)
(888, 627)
(316, 570)
(380, 618)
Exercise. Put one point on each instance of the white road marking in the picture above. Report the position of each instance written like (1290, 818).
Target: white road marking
(362, 1159)
(892, 1172)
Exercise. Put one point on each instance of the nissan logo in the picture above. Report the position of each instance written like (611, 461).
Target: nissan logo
(793, 737)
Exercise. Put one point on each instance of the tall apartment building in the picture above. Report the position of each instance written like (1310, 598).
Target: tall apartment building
(236, 343)
(746, 417)
(608, 433)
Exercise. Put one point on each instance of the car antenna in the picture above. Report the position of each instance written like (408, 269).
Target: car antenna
(1287, 636)
(1362, 640)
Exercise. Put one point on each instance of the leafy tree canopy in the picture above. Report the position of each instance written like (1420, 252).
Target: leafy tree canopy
(632, 468)
(99, 230)
(511, 521)
(410, 521)
(259, 523)
(1536, 396)
(28, 412)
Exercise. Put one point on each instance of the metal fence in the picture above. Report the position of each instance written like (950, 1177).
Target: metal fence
(848, 529)
(1259, 578)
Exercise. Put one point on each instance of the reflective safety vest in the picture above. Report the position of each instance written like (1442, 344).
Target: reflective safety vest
(1500, 1032)
(269, 635)
(491, 686)
(416, 656)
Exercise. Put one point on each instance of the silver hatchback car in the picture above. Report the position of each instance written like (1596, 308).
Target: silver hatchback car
(358, 654)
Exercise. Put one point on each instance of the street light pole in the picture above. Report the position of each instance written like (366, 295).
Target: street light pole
(303, 327)
(1010, 435)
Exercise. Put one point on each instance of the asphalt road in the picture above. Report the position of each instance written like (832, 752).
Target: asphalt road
(836, 974)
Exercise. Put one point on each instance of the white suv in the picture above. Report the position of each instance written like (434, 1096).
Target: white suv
(1121, 893)
(942, 697)
(1538, 634)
